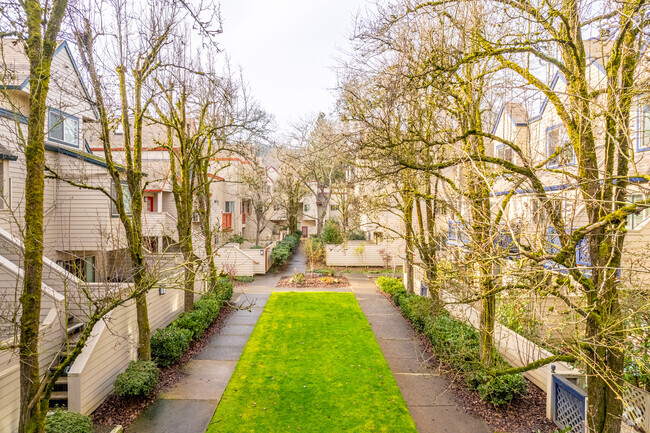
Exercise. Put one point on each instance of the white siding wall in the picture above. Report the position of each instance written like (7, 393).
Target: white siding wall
(361, 253)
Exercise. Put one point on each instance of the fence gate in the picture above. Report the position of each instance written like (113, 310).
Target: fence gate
(569, 405)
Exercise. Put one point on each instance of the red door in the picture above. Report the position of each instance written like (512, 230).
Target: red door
(305, 231)
(148, 202)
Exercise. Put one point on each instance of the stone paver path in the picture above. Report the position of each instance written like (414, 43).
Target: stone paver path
(427, 394)
(188, 406)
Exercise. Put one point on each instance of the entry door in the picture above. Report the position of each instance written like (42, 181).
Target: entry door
(305, 231)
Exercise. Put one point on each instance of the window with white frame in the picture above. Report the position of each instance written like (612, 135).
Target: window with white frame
(643, 141)
(126, 199)
(229, 207)
(334, 207)
(504, 152)
(3, 196)
(635, 220)
(306, 208)
(557, 140)
(63, 128)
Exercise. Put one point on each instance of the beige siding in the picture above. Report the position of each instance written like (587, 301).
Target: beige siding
(360, 253)
(231, 259)
(114, 343)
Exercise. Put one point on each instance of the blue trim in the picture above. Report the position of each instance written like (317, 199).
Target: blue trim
(79, 155)
(13, 115)
(549, 165)
(494, 128)
(530, 191)
(87, 147)
(66, 116)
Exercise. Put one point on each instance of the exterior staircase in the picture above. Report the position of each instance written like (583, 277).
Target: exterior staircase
(59, 397)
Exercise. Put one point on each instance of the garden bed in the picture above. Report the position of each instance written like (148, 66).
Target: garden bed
(123, 411)
(315, 281)
(525, 414)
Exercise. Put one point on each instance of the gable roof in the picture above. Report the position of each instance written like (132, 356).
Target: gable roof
(515, 111)
(5, 154)
(15, 67)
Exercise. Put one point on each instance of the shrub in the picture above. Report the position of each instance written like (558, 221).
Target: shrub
(169, 344)
(329, 280)
(418, 309)
(210, 305)
(501, 390)
(223, 291)
(138, 380)
(236, 239)
(62, 421)
(283, 249)
(297, 278)
(331, 233)
(195, 321)
(357, 235)
(392, 286)
(244, 278)
(326, 272)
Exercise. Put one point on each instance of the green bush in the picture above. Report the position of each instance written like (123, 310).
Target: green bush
(501, 390)
(195, 321)
(357, 235)
(138, 380)
(62, 421)
(326, 272)
(457, 343)
(283, 249)
(331, 233)
(243, 278)
(211, 306)
(169, 344)
(392, 286)
(236, 239)
(418, 309)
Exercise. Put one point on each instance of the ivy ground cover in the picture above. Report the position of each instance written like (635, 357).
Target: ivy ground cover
(312, 365)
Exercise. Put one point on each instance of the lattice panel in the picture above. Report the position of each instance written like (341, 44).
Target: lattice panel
(636, 407)
(569, 410)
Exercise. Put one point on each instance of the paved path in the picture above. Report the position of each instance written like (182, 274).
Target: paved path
(427, 394)
(188, 406)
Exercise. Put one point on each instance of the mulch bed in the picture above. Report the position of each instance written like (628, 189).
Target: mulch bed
(525, 414)
(123, 411)
(314, 281)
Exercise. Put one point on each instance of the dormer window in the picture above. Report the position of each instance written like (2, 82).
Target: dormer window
(643, 141)
(63, 128)
(557, 139)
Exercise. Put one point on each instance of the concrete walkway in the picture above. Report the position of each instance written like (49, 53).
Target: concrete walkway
(188, 406)
(427, 394)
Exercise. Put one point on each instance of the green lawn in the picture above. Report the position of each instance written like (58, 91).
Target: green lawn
(312, 364)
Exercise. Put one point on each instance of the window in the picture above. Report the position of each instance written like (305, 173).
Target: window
(505, 152)
(81, 267)
(126, 196)
(230, 207)
(557, 138)
(643, 141)
(3, 198)
(306, 208)
(635, 220)
(276, 207)
(334, 207)
(63, 128)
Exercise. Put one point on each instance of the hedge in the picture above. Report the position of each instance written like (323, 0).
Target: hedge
(138, 380)
(457, 343)
(282, 251)
(168, 345)
(62, 421)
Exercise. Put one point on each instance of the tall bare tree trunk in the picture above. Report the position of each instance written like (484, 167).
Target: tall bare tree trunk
(40, 49)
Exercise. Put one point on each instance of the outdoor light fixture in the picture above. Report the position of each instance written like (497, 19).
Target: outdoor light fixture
(261, 252)
(161, 290)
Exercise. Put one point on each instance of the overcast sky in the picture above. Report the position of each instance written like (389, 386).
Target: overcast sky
(287, 49)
